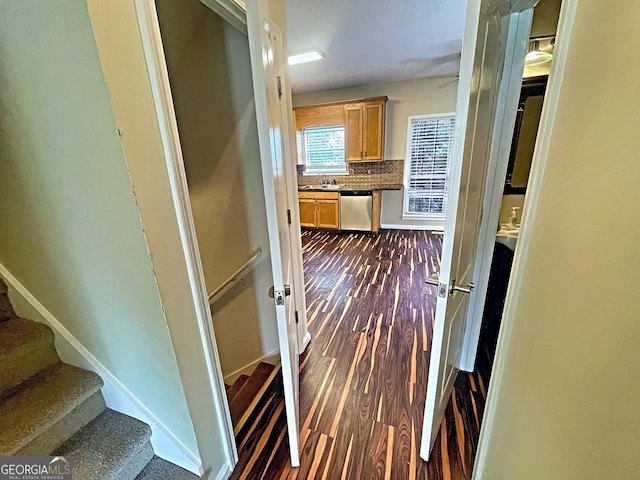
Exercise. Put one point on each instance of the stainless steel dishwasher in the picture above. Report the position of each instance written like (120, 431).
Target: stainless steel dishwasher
(356, 210)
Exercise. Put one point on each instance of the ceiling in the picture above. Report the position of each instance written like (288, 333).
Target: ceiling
(374, 41)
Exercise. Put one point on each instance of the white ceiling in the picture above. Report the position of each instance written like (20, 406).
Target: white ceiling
(374, 41)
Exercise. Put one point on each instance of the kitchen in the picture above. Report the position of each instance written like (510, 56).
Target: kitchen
(363, 172)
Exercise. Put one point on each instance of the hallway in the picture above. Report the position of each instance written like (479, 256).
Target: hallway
(363, 377)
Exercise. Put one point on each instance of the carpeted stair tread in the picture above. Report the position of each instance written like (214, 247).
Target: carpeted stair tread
(237, 385)
(242, 400)
(39, 404)
(26, 348)
(159, 469)
(112, 447)
(6, 309)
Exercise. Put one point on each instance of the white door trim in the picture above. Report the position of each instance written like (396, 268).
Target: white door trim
(290, 173)
(549, 109)
(163, 100)
(231, 11)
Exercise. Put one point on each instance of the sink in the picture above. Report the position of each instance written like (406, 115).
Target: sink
(508, 236)
(321, 187)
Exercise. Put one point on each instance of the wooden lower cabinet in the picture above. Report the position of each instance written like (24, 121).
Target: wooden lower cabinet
(319, 210)
(307, 212)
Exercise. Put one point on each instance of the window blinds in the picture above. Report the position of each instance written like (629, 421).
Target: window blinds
(429, 153)
(323, 149)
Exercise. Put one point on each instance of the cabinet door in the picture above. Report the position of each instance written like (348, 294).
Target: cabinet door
(373, 131)
(307, 212)
(328, 214)
(353, 133)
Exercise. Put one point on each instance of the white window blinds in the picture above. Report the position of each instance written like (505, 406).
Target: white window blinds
(323, 149)
(429, 151)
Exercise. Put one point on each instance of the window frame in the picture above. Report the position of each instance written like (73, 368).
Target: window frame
(302, 151)
(406, 214)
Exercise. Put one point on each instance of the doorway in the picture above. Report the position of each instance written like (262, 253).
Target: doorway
(209, 69)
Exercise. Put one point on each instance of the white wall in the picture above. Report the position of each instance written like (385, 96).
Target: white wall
(210, 74)
(71, 231)
(413, 97)
(567, 401)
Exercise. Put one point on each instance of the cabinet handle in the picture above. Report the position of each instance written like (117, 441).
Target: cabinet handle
(361, 154)
(365, 153)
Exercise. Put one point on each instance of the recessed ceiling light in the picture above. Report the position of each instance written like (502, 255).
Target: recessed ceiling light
(305, 57)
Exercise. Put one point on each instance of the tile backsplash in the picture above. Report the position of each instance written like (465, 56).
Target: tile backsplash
(388, 172)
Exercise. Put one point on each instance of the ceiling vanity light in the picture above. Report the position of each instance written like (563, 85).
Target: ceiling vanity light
(538, 55)
(305, 57)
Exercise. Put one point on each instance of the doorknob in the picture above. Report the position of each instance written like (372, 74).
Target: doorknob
(280, 294)
(456, 288)
(432, 281)
(442, 288)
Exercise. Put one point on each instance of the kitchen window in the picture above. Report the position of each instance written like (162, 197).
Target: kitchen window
(322, 149)
(429, 153)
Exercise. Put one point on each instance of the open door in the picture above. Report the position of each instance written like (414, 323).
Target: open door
(483, 54)
(265, 58)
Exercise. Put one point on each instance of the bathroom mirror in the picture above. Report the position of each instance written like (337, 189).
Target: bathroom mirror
(524, 135)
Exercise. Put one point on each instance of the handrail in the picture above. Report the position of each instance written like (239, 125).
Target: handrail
(234, 277)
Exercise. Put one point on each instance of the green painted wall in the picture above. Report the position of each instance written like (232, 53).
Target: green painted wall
(70, 229)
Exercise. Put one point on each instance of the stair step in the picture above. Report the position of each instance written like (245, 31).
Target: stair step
(237, 385)
(6, 309)
(26, 348)
(242, 400)
(41, 413)
(112, 447)
(159, 469)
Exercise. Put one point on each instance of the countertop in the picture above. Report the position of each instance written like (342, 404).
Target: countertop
(508, 237)
(352, 188)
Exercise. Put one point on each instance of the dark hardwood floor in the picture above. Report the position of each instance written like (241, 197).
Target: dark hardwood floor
(363, 377)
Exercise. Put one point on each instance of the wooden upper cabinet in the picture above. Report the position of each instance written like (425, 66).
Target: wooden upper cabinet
(353, 149)
(364, 130)
(373, 132)
(363, 122)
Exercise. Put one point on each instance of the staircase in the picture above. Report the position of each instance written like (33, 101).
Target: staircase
(245, 390)
(50, 408)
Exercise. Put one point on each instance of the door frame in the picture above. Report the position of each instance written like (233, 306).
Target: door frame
(538, 165)
(148, 23)
(147, 18)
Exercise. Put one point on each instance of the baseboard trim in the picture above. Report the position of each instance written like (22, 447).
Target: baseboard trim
(117, 396)
(224, 473)
(305, 341)
(411, 227)
(272, 357)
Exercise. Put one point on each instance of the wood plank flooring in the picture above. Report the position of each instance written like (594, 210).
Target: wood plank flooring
(363, 377)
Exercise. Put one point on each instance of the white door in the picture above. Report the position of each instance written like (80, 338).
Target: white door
(267, 90)
(480, 75)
